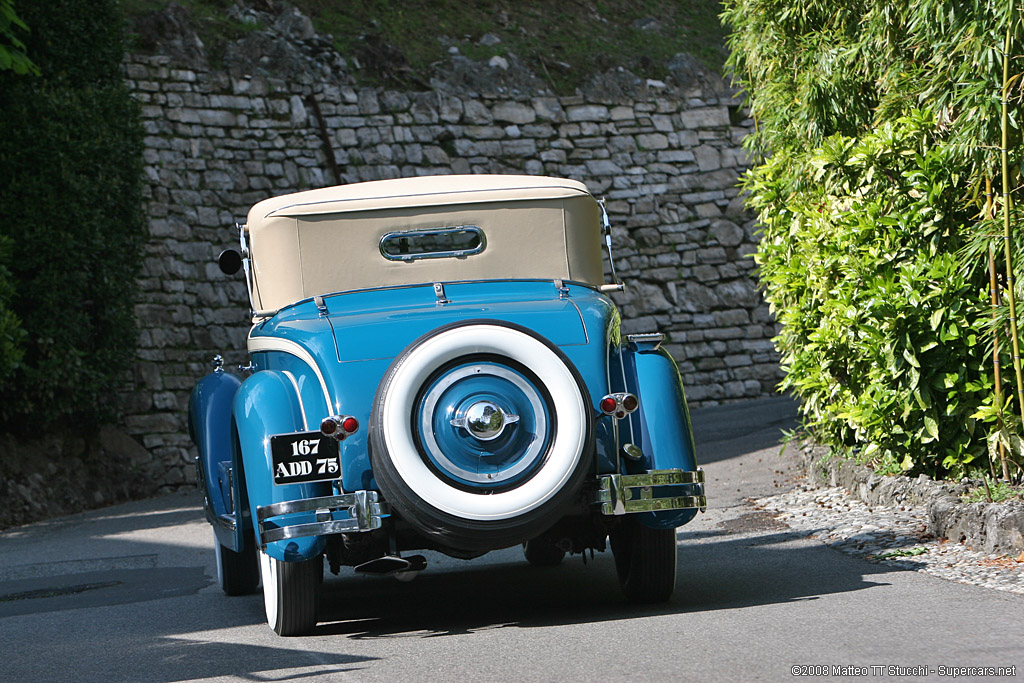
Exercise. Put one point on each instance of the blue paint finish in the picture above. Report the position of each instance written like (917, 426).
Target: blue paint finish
(666, 437)
(266, 404)
(495, 458)
(374, 326)
(364, 331)
(209, 416)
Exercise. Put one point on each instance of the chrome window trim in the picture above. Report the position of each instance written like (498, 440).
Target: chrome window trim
(418, 256)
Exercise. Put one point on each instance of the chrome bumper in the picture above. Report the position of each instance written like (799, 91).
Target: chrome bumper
(655, 491)
(364, 509)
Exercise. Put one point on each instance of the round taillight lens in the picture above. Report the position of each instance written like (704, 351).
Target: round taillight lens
(328, 426)
(629, 402)
(608, 405)
(350, 424)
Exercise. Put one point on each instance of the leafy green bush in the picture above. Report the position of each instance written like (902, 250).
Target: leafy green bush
(879, 321)
(70, 195)
(879, 124)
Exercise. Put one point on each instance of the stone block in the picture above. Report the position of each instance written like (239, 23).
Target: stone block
(548, 109)
(622, 113)
(513, 112)
(708, 158)
(519, 148)
(652, 141)
(707, 117)
(726, 233)
(587, 112)
(603, 167)
(368, 101)
(476, 112)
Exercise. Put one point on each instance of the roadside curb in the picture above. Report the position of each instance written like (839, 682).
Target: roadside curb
(995, 528)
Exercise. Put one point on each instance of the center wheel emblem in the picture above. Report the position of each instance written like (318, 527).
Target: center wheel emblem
(484, 420)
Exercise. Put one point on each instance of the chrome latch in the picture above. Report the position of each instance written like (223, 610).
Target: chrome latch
(321, 307)
(563, 291)
(647, 341)
(442, 298)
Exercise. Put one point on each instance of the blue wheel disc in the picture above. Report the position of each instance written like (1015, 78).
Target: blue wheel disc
(516, 441)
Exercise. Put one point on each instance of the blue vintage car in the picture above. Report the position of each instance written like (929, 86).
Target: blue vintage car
(435, 365)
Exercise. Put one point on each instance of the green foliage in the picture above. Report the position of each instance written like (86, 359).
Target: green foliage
(70, 194)
(993, 492)
(878, 122)
(12, 49)
(902, 552)
(879, 322)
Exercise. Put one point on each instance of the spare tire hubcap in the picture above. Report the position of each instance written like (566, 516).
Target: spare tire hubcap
(484, 420)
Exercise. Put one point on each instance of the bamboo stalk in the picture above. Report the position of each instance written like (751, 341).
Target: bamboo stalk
(993, 284)
(1007, 247)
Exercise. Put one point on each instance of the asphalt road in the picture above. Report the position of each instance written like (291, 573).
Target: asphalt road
(128, 594)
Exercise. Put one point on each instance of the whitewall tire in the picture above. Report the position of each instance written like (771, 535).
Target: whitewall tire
(506, 481)
(291, 594)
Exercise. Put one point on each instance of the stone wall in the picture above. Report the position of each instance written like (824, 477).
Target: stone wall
(666, 161)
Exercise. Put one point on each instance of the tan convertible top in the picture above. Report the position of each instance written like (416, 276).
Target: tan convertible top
(329, 240)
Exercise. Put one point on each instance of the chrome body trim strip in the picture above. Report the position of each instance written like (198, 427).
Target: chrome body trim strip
(364, 508)
(621, 494)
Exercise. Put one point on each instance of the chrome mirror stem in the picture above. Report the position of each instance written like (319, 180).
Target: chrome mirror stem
(606, 228)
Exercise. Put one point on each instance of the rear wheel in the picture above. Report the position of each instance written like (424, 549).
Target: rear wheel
(291, 593)
(645, 561)
(481, 435)
(237, 573)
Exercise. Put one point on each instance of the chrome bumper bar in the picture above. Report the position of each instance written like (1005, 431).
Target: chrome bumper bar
(365, 511)
(655, 491)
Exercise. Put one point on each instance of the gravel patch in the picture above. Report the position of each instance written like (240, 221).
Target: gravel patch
(897, 536)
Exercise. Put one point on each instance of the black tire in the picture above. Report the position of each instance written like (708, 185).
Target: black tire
(291, 594)
(645, 561)
(456, 515)
(238, 573)
(541, 552)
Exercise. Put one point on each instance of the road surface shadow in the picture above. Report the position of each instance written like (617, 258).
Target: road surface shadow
(721, 571)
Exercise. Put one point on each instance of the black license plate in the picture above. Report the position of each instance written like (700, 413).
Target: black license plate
(304, 457)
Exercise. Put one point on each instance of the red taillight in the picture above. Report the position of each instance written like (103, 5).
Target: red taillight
(619, 404)
(328, 426)
(339, 426)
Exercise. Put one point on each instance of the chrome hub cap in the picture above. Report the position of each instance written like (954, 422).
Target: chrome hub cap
(484, 420)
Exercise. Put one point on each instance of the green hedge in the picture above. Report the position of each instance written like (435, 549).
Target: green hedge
(71, 197)
(878, 123)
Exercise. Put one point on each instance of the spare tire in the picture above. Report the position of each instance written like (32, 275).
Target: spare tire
(481, 434)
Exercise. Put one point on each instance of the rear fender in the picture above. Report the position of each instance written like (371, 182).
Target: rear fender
(661, 425)
(209, 422)
(267, 404)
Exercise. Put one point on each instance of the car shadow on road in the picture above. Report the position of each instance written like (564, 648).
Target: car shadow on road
(715, 573)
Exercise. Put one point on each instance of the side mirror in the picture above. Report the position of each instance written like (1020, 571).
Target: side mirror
(230, 261)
